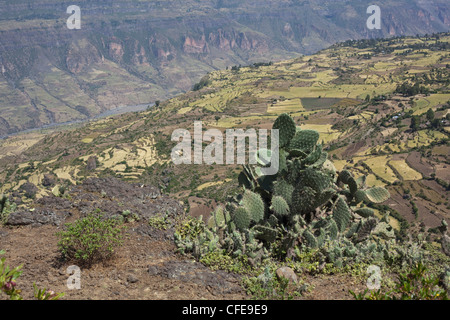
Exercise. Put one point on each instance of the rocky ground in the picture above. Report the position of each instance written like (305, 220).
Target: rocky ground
(145, 267)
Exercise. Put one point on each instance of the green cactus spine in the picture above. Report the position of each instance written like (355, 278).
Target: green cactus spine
(286, 126)
(242, 218)
(279, 206)
(377, 194)
(341, 214)
(254, 205)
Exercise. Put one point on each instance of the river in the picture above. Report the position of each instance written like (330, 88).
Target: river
(107, 113)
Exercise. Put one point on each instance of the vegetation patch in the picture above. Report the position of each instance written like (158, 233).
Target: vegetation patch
(91, 239)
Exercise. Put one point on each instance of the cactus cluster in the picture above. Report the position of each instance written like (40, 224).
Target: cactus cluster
(196, 238)
(307, 202)
(3, 200)
(6, 207)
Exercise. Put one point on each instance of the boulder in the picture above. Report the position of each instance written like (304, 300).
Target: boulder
(288, 273)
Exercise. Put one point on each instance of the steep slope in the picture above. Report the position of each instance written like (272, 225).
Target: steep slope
(354, 94)
(136, 52)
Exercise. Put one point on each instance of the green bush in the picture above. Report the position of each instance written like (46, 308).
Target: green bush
(416, 284)
(7, 279)
(91, 239)
(8, 285)
(6, 208)
(160, 222)
(267, 286)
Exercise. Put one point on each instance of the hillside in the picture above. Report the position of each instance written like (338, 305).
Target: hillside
(370, 102)
(137, 52)
(346, 93)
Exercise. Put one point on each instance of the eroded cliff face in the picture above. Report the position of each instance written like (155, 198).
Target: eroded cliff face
(130, 52)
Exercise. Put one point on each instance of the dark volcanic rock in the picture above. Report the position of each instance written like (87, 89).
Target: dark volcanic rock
(48, 180)
(54, 203)
(132, 278)
(112, 196)
(156, 234)
(22, 218)
(30, 189)
(189, 271)
(91, 163)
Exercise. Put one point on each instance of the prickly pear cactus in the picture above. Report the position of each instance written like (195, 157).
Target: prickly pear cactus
(242, 218)
(307, 203)
(3, 199)
(254, 205)
(307, 200)
(286, 126)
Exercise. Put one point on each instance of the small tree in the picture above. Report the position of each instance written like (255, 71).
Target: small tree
(415, 123)
(90, 239)
(430, 115)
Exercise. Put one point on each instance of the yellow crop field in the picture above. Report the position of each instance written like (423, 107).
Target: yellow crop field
(372, 181)
(87, 140)
(388, 132)
(325, 132)
(140, 154)
(339, 164)
(184, 110)
(210, 184)
(379, 167)
(232, 122)
(218, 100)
(67, 173)
(286, 106)
(423, 104)
(405, 171)
(425, 137)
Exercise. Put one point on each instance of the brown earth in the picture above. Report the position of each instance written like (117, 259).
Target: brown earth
(415, 161)
(146, 267)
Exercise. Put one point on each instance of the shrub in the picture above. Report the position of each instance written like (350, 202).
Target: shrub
(44, 294)
(267, 286)
(159, 221)
(91, 239)
(6, 208)
(8, 284)
(7, 279)
(413, 285)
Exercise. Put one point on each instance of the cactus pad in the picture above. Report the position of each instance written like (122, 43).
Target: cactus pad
(279, 206)
(283, 189)
(254, 205)
(266, 233)
(365, 212)
(377, 194)
(311, 241)
(303, 199)
(341, 214)
(242, 218)
(315, 179)
(286, 126)
(305, 140)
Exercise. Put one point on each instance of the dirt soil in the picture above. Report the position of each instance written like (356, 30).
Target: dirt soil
(146, 267)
